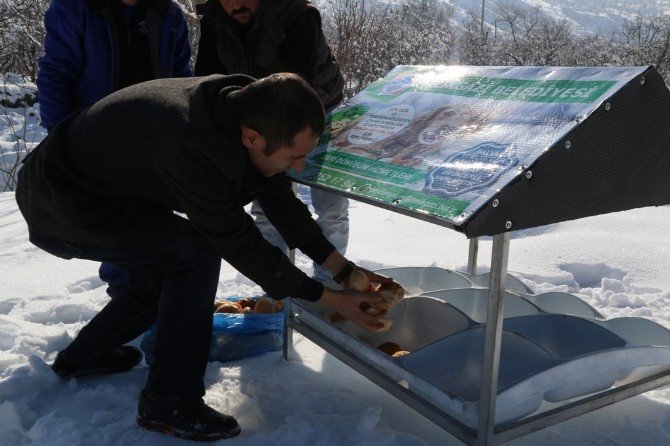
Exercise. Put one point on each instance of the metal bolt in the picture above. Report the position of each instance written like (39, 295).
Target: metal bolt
(508, 225)
(522, 167)
(463, 215)
(608, 106)
(529, 174)
(642, 80)
(568, 144)
(495, 203)
(396, 201)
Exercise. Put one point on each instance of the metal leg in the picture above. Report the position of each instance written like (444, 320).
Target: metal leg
(492, 338)
(290, 253)
(288, 330)
(472, 256)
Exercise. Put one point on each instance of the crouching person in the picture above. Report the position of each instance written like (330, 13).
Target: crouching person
(105, 185)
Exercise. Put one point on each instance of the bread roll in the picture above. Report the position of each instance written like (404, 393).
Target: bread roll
(392, 291)
(386, 325)
(263, 305)
(389, 347)
(247, 302)
(358, 281)
(277, 306)
(227, 306)
(400, 353)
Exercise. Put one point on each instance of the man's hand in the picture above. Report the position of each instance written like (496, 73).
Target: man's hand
(372, 277)
(352, 304)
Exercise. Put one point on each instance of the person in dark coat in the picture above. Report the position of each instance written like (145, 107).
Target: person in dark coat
(95, 47)
(261, 37)
(112, 182)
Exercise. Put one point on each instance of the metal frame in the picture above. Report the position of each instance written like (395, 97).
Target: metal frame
(473, 251)
(418, 395)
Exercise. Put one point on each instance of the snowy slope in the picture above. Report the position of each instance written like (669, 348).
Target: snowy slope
(585, 15)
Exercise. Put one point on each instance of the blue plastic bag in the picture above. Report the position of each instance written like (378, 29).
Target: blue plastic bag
(234, 336)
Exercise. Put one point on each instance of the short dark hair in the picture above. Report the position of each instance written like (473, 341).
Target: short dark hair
(279, 107)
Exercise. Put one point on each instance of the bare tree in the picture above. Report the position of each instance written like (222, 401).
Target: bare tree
(370, 39)
(21, 35)
(645, 40)
(475, 47)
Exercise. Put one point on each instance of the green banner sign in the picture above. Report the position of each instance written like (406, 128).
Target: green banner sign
(551, 91)
(369, 168)
(445, 140)
(393, 195)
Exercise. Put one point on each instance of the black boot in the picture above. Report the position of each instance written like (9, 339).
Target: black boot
(189, 419)
(117, 360)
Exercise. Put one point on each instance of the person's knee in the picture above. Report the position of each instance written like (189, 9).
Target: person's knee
(329, 206)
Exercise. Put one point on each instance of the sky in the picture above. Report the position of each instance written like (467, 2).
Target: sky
(617, 264)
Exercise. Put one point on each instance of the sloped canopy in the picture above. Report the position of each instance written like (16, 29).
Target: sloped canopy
(485, 150)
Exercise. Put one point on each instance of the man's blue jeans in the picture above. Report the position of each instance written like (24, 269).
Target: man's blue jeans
(172, 281)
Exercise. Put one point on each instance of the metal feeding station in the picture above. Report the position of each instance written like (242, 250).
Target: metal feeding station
(486, 151)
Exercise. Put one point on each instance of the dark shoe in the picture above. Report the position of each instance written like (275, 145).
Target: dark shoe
(191, 419)
(118, 360)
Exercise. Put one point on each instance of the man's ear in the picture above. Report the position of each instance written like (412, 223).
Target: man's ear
(252, 140)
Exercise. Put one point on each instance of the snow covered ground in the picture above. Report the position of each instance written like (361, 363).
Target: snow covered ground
(618, 263)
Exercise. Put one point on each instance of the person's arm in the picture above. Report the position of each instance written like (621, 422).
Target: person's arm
(218, 215)
(182, 47)
(61, 63)
(292, 218)
(211, 201)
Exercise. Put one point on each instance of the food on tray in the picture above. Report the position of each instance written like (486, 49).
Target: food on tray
(390, 293)
(389, 347)
(392, 349)
(277, 306)
(247, 302)
(247, 305)
(228, 306)
(358, 281)
(386, 325)
(263, 306)
(400, 353)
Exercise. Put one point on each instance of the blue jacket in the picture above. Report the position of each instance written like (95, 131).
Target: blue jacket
(81, 62)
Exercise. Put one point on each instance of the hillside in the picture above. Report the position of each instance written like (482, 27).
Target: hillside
(602, 16)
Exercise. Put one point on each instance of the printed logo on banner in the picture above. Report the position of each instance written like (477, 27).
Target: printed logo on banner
(397, 86)
(471, 169)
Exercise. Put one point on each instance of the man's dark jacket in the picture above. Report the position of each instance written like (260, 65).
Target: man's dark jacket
(284, 36)
(113, 175)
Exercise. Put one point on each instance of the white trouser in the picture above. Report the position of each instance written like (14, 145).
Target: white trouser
(332, 216)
